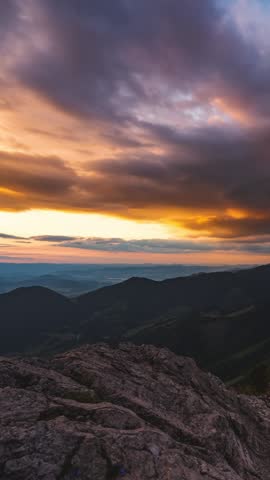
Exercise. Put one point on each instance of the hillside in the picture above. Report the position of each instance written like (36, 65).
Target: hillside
(221, 319)
(28, 316)
(75, 279)
(132, 412)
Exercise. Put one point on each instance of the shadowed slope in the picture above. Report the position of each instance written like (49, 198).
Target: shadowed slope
(221, 319)
(27, 315)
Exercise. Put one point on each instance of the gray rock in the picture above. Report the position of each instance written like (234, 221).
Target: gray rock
(137, 413)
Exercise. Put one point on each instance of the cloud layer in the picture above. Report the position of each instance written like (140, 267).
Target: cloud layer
(143, 246)
(156, 110)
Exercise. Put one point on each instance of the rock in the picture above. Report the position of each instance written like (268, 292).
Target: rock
(137, 413)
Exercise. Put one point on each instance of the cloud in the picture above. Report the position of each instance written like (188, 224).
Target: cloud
(142, 246)
(8, 19)
(174, 246)
(28, 181)
(212, 172)
(10, 237)
(53, 238)
(102, 61)
(256, 245)
(178, 91)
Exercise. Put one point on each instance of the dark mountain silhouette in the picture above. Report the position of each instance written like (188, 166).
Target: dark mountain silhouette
(76, 279)
(222, 319)
(29, 315)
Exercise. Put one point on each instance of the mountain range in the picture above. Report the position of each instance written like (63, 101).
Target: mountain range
(221, 319)
(75, 279)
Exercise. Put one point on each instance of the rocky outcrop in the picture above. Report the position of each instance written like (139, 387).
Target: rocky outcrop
(137, 413)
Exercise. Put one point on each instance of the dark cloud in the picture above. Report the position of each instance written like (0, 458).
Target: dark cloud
(9, 18)
(10, 237)
(212, 171)
(145, 246)
(27, 181)
(82, 71)
(119, 244)
(228, 227)
(101, 57)
(209, 172)
(34, 173)
(53, 238)
(109, 64)
(152, 246)
(167, 246)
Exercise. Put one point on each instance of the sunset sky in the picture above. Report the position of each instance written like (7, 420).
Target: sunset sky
(135, 131)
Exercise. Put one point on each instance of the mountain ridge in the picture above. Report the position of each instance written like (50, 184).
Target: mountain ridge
(217, 318)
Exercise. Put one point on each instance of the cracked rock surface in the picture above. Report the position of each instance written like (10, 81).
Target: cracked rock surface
(139, 413)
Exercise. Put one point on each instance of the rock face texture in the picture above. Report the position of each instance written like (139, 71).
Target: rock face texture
(138, 413)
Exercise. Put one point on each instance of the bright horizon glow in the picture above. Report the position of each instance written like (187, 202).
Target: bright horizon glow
(36, 254)
(49, 222)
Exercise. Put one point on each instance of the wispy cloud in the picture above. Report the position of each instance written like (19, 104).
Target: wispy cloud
(53, 238)
(257, 245)
(5, 236)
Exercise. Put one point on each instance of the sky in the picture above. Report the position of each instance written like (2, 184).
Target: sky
(135, 131)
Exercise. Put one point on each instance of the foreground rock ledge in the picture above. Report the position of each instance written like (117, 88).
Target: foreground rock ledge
(133, 412)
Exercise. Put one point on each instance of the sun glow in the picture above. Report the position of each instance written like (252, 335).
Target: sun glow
(49, 222)
(9, 192)
(237, 214)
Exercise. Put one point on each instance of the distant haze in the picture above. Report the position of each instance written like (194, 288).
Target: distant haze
(74, 279)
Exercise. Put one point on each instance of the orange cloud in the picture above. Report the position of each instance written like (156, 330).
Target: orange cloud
(145, 123)
(233, 111)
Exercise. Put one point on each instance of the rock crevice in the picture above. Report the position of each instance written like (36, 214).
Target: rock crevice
(139, 413)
